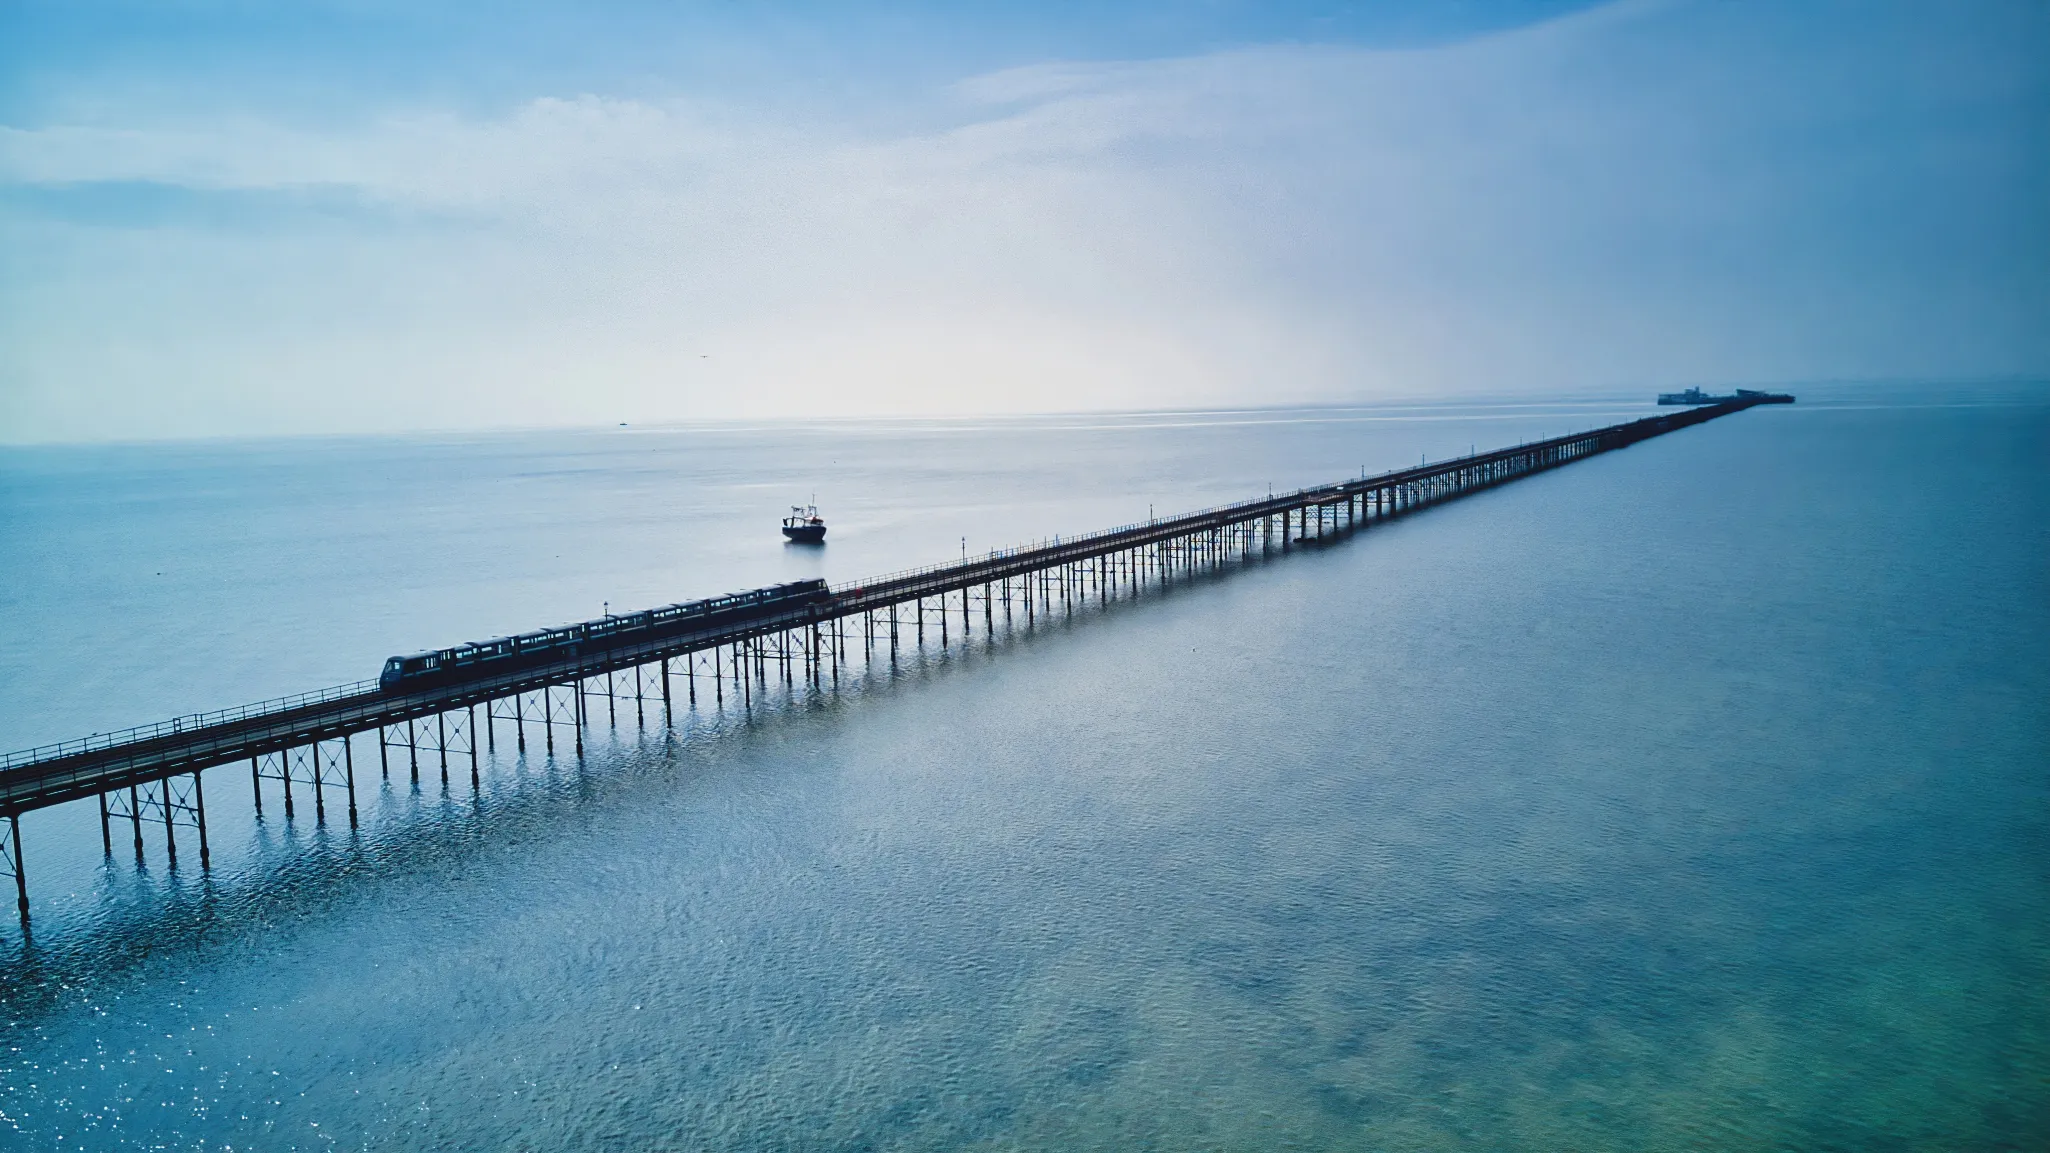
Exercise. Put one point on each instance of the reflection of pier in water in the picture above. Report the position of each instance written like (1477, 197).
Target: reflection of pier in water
(153, 774)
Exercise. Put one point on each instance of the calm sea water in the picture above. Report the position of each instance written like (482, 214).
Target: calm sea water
(1694, 796)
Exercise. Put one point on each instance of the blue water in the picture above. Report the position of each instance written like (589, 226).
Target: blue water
(1692, 796)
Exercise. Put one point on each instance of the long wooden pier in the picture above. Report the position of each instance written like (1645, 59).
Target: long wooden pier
(152, 775)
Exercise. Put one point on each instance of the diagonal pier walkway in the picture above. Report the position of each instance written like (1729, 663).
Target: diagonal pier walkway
(153, 773)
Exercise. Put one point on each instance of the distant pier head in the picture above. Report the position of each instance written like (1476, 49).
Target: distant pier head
(1695, 396)
(450, 707)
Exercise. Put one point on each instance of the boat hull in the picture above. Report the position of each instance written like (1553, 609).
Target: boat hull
(805, 533)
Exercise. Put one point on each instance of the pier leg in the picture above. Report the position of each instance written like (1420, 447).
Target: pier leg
(473, 746)
(106, 830)
(413, 750)
(548, 719)
(319, 785)
(285, 775)
(383, 755)
(349, 767)
(668, 713)
(199, 817)
(170, 837)
(255, 787)
(20, 877)
(441, 741)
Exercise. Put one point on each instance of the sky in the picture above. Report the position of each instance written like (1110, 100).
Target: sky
(226, 218)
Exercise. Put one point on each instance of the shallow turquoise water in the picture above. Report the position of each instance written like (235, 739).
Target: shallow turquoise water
(1693, 796)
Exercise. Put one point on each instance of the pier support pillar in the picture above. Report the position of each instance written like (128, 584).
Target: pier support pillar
(170, 837)
(199, 818)
(135, 818)
(13, 848)
(349, 768)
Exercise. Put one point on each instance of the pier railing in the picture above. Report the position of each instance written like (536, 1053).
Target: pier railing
(191, 722)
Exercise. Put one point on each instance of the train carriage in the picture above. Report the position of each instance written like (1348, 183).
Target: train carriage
(477, 660)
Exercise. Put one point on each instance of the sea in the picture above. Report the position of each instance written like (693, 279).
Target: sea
(1692, 796)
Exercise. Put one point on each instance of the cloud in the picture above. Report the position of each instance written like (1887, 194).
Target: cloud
(1642, 194)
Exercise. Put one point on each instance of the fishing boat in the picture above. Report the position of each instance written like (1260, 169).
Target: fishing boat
(803, 524)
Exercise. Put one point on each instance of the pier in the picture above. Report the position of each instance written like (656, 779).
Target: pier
(310, 749)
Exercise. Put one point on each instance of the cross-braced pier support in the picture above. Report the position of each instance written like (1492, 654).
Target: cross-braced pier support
(171, 802)
(320, 766)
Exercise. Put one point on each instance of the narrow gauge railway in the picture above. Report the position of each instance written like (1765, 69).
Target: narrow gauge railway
(545, 681)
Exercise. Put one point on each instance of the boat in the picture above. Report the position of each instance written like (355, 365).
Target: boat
(803, 524)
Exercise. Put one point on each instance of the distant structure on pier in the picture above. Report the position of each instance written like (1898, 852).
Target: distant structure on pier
(1696, 396)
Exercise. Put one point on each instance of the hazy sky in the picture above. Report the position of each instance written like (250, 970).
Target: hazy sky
(232, 217)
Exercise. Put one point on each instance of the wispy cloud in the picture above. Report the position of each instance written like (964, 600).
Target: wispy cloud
(1645, 193)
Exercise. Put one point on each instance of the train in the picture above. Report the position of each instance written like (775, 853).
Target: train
(481, 659)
